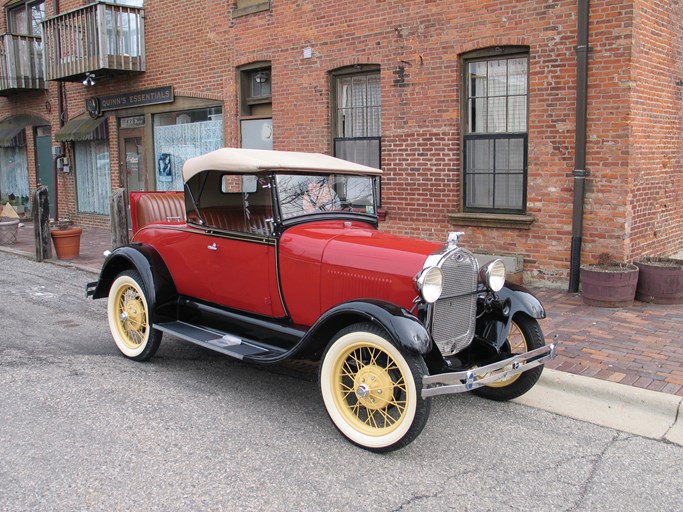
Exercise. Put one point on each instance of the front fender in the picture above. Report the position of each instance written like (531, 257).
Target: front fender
(519, 300)
(404, 329)
(522, 300)
(148, 263)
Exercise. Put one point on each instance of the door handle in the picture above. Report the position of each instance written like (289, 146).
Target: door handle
(212, 247)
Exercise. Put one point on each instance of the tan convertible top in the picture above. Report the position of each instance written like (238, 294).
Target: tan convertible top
(235, 160)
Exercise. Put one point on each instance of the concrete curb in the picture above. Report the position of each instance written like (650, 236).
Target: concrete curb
(625, 408)
(52, 261)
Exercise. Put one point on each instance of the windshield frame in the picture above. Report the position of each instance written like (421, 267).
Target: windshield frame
(294, 190)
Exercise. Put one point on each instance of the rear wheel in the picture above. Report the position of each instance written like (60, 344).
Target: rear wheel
(128, 314)
(372, 390)
(525, 334)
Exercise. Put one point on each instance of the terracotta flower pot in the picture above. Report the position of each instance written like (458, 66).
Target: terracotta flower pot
(660, 281)
(609, 286)
(67, 242)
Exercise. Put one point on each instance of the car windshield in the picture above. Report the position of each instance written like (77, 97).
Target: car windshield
(315, 194)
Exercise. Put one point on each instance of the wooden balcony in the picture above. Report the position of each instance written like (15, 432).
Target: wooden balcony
(21, 64)
(101, 38)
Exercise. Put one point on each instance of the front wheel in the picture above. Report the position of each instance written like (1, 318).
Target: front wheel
(128, 314)
(525, 334)
(372, 390)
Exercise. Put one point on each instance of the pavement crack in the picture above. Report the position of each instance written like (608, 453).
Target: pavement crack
(440, 489)
(584, 489)
(677, 417)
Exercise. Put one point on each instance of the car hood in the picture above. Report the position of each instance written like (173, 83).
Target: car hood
(337, 261)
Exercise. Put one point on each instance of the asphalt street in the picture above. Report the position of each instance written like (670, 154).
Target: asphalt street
(83, 428)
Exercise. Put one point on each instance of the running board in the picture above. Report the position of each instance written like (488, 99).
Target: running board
(225, 343)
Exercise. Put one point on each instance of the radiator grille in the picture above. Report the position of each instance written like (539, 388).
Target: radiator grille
(453, 316)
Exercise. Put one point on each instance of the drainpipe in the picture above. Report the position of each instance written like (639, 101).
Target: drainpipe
(579, 172)
(61, 113)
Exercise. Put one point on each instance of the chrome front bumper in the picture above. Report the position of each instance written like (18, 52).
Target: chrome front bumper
(467, 380)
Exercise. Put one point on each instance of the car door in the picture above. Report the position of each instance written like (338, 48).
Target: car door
(227, 257)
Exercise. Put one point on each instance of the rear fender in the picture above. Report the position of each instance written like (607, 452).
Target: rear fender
(402, 327)
(148, 263)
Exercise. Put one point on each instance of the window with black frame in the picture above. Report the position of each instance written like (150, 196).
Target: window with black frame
(357, 115)
(495, 140)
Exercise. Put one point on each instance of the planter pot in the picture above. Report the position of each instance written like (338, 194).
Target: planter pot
(609, 286)
(660, 281)
(8, 231)
(67, 242)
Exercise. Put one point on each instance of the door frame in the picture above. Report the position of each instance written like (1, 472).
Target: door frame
(130, 133)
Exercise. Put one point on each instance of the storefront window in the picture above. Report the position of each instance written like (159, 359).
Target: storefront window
(14, 186)
(93, 177)
(182, 135)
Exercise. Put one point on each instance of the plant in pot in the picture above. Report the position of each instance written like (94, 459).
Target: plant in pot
(608, 283)
(660, 280)
(67, 239)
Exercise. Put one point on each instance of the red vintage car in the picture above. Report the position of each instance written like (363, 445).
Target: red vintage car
(271, 256)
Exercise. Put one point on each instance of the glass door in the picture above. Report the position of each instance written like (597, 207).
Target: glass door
(132, 161)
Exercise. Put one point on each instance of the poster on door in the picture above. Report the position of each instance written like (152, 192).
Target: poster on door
(164, 169)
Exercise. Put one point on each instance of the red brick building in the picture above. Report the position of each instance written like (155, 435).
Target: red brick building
(472, 109)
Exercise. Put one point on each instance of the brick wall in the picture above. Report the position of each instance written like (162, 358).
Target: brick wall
(656, 169)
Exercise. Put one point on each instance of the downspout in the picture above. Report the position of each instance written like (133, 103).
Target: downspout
(60, 84)
(61, 113)
(579, 172)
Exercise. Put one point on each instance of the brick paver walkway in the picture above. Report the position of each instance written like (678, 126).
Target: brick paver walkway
(639, 346)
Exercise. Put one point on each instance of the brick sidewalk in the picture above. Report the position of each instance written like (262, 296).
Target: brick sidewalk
(640, 346)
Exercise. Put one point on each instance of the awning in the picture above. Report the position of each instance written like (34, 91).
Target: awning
(8, 136)
(11, 129)
(83, 128)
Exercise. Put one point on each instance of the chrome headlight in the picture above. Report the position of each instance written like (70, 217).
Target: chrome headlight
(493, 275)
(430, 284)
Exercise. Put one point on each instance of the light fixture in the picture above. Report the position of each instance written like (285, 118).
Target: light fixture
(89, 80)
(261, 77)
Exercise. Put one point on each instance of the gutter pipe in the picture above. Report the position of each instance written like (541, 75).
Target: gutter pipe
(579, 172)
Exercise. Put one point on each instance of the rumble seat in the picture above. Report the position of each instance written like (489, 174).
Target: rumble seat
(153, 207)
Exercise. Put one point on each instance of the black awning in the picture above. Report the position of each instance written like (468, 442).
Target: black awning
(9, 136)
(83, 128)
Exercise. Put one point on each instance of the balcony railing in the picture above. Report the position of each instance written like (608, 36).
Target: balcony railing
(100, 38)
(21, 64)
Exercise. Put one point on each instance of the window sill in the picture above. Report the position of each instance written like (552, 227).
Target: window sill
(251, 9)
(492, 220)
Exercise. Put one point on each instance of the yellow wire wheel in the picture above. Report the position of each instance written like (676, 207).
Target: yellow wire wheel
(371, 389)
(518, 345)
(128, 315)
